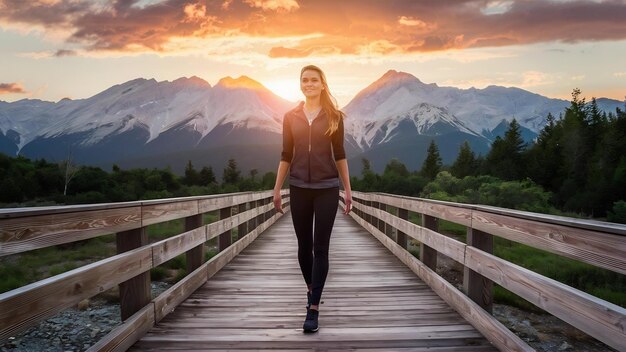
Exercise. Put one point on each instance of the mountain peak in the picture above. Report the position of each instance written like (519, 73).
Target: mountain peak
(241, 82)
(397, 76)
(193, 81)
(392, 78)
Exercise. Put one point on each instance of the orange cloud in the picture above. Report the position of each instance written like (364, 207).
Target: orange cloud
(348, 27)
(274, 5)
(7, 88)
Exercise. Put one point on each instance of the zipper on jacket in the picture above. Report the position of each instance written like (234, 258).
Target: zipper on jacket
(310, 128)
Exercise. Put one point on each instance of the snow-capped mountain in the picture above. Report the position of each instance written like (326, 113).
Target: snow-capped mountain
(145, 123)
(479, 110)
(421, 119)
(142, 118)
(154, 106)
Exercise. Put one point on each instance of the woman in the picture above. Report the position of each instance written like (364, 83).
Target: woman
(313, 154)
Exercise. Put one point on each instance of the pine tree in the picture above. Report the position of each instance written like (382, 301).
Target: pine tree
(432, 164)
(232, 175)
(367, 166)
(207, 176)
(544, 157)
(505, 159)
(513, 138)
(465, 163)
(191, 175)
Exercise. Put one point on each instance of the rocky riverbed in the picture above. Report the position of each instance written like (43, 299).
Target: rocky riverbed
(74, 329)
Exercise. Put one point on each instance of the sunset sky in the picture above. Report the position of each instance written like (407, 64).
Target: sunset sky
(51, 49)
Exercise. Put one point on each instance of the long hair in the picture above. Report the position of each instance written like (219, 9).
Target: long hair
(328, 102)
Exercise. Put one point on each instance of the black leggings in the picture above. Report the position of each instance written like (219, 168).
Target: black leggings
(308, 205)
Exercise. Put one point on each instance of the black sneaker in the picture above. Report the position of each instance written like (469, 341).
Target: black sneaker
(310, 323)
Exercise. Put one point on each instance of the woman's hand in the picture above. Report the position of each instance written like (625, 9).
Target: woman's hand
(278, 201)
(348, 201)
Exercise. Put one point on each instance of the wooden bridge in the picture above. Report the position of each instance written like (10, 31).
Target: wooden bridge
(251, 294)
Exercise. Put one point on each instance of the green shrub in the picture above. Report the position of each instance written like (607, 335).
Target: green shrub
(618, 213)
(158, 274)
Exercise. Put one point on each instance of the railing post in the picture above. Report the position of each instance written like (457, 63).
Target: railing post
(270, 213)
(134, 293)
(252, 221)
(381, 223)
(388, 228)
(428, 255)
(401, 237)
(224, 240)
(242, 230)
(374, 219)
(259, 217)
(476, 286)
(194, 256)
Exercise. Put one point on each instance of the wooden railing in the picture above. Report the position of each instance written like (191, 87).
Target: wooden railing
(27, 229)
(597, 243)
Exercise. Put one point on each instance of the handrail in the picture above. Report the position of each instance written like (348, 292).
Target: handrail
(27, 229)
(597, 243)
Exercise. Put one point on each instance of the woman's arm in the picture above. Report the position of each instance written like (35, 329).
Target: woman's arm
(283, 167)
(344, 175)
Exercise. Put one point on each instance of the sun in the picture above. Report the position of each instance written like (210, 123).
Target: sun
(285, 88)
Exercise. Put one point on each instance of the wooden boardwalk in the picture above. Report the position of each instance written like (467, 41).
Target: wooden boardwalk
(371, 302)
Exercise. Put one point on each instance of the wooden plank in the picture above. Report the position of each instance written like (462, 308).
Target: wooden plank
(124, 336)
(161, 212)
(25, 306)
(257, 302)
(234, 199)
(224, 239)
(454, 212)
(171, 247)
(216, 228)
(401, 238)
(242, 229)
(220, 260)
(493, 330)
(8, 213)
(600, 249)
(460, 213)
(428, 255)
(369, 348)
(168, 300)
(583, 224)
(134, 292)
(441, 243)
(21, 234)
(598, 318)
(477, 287)
(194, 256)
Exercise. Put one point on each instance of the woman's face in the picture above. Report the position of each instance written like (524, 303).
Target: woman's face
(311, 84)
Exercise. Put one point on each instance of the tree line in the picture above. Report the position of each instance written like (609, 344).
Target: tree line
(39, 182)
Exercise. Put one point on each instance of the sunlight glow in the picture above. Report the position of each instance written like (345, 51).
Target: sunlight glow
(285, 88)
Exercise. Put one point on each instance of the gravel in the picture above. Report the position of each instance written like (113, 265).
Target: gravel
(73, 329)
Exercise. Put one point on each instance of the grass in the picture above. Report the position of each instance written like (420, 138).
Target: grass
(599, 282)
(22, 269)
